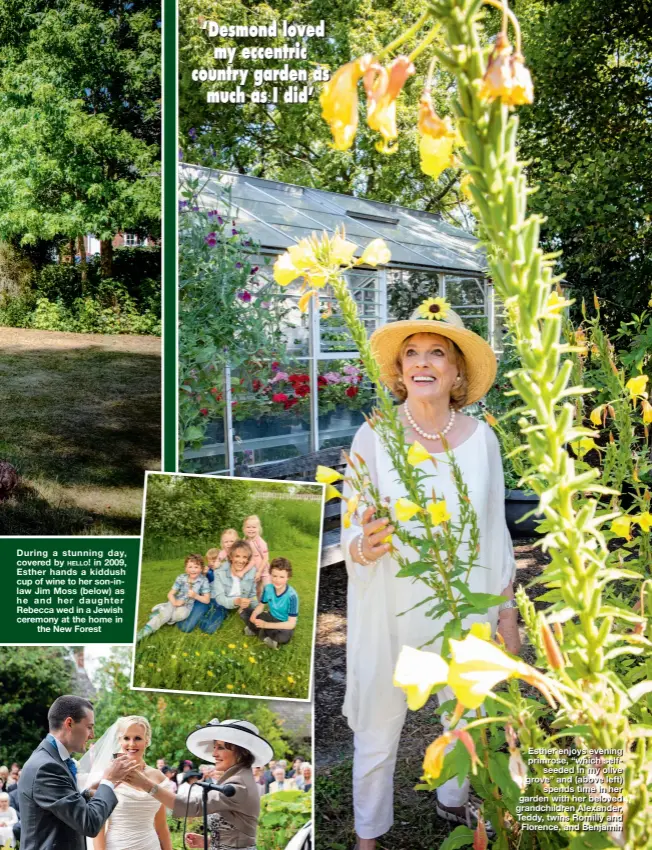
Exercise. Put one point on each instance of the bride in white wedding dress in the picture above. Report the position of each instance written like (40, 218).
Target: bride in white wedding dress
(138, 822)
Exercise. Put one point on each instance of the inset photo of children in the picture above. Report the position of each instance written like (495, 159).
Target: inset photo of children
(228, 586)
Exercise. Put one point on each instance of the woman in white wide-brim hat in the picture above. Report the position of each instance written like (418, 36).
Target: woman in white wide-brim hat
(234, 747)
(435, 367)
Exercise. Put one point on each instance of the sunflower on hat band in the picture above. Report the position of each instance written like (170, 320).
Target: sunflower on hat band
(434, 308)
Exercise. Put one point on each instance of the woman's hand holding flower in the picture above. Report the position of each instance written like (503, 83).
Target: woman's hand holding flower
(374, 533)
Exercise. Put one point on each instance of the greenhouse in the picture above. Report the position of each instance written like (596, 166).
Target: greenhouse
(429, 257)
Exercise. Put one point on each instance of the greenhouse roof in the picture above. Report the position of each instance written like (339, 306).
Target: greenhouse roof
(277, 215)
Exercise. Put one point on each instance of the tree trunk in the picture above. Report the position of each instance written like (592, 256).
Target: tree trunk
(82, 262)
(106, 257)
(71, 251)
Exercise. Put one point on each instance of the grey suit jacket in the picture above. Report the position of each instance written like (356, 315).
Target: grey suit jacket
(53, 813)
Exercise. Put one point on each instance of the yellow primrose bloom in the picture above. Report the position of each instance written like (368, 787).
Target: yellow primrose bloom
(438, 512)
(434, 308)
(417, 673)
(305, 299)
(341, 251)
(497, 80)
(644, 521)
(405, 510)
(252, 660)
(284, 270)
(352, 503)
(332, 493)
(636, 386)
(433, 762)
(383, 86)
(646, 407)
(436, 154)
(339, 102)
(430, 124)
(417, 454)
(584, 445)
(231, 646)
(621, 526)
(326, 475)
(303, 255)
(596, 415)
(346, 520)
(376, 254)
(481, 630)
(522, 90)
(477, 666)
(555, 304)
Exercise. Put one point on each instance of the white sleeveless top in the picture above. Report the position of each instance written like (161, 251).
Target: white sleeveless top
(376, 596)
(131, 825)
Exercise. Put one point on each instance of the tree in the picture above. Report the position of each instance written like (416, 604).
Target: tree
(588, 136)
(79, 122)
(291, 142)
(32, 678)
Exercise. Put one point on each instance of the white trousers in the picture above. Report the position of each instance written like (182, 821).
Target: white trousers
(374, 759)
(167, 613)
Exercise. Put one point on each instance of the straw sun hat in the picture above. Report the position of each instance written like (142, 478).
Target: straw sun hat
(239, 732)
(435, 316)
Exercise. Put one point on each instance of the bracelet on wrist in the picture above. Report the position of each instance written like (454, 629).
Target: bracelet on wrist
(506, 606)
(361, 557)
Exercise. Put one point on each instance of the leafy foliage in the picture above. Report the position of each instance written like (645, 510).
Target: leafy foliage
(588, 135)
(32, 678)
(79, 103)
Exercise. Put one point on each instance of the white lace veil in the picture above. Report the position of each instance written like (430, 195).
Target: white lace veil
(95, 761)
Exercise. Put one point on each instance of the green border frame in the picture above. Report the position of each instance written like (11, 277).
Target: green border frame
(169, 158)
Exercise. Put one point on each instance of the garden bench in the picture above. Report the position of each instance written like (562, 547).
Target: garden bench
(303, 468)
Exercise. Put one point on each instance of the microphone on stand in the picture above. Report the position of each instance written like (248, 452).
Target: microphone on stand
(227, 790)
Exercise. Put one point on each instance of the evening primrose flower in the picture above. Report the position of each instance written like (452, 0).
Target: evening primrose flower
(436, 155)
(429, 123)
(284, 270)
(646, 407)
(434, 308)
(341, 251)
(621, 526)
(555, 304)
(305, 298)
(584, 445)
(326, 475)
(596, 415)
(383, 86)
(438, 512)
(644, 521)
(433, 762)
(339, 102)
(303, 255)
(332, 493)
(417, 454)
(636, 387)
(417, 673)
(506, 76)
(477, 666)
(405, 510)
(376, 254)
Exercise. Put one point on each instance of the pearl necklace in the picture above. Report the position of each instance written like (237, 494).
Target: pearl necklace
(421, 432)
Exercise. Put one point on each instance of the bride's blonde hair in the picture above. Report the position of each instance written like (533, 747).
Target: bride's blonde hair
(135, 720)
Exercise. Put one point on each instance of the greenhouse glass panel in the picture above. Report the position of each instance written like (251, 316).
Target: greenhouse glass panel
(345, 395)
(407, 289)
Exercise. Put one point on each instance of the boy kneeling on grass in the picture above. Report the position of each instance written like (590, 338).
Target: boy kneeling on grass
(279, 622)
(188, 587)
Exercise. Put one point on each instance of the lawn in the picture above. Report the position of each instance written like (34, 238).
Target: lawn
(81, 420)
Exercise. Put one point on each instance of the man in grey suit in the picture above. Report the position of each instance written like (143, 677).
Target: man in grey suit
(53, 812)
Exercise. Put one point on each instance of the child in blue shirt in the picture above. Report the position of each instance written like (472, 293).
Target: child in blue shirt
(276, 625)
(188, 588)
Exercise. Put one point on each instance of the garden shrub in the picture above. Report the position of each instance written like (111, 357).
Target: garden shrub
(60, 281)
(281, 816)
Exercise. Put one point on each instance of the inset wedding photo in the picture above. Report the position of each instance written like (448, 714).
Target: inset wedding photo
(228, 585)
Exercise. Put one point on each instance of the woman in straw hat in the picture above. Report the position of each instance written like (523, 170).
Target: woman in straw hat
(234, 747)
(435, 367)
